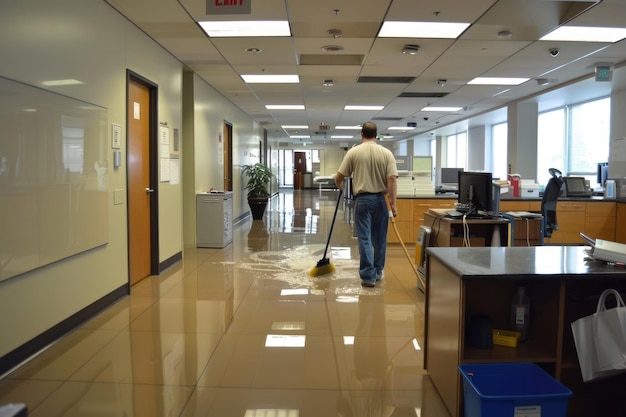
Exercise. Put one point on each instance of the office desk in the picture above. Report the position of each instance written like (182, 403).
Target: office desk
(446, 231)
(514, 231)
(562, 286)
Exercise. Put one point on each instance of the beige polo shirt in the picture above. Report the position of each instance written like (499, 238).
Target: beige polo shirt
(369, 164)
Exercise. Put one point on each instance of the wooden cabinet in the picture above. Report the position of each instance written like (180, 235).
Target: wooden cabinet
(597, 218)
(404, 222)
(620, 222)
(470, 282)
(520, 205)
(594, 218)
(411, 216)
(455, 232)
(600, 220)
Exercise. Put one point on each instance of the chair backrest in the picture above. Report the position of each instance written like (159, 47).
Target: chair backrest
(548, 205)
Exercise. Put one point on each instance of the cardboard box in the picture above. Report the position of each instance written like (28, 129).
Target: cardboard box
(506, 338)
(529, 190)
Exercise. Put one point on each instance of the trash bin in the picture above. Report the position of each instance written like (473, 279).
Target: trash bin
(512, 389)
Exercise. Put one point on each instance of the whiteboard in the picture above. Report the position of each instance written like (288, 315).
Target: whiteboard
(53, 188)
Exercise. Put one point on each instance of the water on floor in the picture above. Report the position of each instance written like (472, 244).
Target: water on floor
(244, 331)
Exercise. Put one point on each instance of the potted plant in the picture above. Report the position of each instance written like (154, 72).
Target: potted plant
(258, 183)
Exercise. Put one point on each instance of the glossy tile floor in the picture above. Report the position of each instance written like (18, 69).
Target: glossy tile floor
(243, 331)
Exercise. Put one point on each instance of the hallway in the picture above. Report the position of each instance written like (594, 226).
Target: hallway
(243, 331)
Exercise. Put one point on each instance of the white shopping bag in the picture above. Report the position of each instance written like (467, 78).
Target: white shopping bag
(601, 339)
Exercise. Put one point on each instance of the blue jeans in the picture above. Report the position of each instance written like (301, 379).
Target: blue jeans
(371, 219)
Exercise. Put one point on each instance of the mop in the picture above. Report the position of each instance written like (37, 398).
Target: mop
(324, 266)
(395, 228)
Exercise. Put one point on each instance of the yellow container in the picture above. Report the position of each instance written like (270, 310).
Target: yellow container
(506, 338)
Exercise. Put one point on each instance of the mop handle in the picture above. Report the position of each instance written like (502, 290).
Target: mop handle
(332, 225)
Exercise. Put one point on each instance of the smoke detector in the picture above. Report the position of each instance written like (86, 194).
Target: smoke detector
(410, 49)
(335, 33)
(332, 48)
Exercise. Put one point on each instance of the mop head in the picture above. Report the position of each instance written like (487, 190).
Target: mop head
(323, 267)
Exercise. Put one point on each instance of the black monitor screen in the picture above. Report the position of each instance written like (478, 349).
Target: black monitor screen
(450, 175)
(476, 191)
(603, 170)
(575, 186)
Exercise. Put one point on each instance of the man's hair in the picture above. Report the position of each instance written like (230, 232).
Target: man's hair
(369, 130)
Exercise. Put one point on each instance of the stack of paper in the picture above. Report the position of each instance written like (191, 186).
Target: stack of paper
(606, 250)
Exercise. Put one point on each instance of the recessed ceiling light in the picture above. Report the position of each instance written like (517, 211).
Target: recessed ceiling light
(364, 107)
(348, 127)
(441, 30)
(300, 136)
(285, 107)
(401, 128)
(441, 108)
(498, 81)
(585, 34)
(341, 136)
(295, 127)
(246, 28)
(270, 79)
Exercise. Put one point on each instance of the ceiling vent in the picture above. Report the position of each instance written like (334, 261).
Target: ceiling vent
(422, 95)
(386, 80)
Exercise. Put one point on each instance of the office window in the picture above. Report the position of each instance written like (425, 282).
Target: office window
(589, 125)
(457, 150)
(550, 143)
(573, 139)
(499, 137)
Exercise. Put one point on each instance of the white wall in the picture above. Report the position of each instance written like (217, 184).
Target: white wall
(88, 40)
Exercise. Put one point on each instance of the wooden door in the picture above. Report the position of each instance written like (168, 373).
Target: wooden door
(299, 168)
(140, 188)
(228, 149)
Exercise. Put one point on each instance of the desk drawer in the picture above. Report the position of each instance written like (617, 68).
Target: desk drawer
(570, 206)
(600, 209)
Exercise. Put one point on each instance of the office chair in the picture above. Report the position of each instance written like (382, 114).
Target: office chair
(548, 202)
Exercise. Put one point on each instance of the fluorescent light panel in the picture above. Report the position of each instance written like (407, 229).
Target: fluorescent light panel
(440, 30)
(55, 83)
(401, 128)
(271, 79)
(285, 107)
(442, 108)
(246, 28)
(300, 136)
(348, 127)
(497, 81)
(295, 127)
(364, 108)
(585, 34)
(341, 137)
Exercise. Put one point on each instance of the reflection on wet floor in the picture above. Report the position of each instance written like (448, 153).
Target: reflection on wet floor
(245, 331)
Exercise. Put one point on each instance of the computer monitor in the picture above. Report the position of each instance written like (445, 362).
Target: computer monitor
(576, 187)
(477, 192)
(450, 176)
(603, 170)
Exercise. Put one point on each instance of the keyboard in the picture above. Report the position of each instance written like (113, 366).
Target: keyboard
(454, 213)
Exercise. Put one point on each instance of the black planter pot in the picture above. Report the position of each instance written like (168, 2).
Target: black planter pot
(257, 206)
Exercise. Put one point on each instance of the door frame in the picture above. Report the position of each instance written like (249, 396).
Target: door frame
(153, 169)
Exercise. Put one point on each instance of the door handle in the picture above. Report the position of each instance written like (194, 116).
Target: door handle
(149, 190)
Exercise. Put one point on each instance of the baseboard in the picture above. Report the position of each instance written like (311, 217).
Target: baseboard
(30, 348)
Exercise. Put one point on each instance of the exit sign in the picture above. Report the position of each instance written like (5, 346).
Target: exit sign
(603, 73)
(228, 7)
